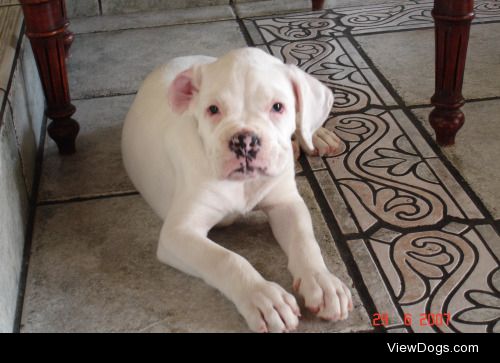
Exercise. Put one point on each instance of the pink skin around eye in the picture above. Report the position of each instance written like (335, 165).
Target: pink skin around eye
(275, 115)
(215, 117)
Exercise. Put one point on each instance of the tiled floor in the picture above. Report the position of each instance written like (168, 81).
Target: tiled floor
(410, 226)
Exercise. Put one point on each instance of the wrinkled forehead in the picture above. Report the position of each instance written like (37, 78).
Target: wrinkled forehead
(226, 80)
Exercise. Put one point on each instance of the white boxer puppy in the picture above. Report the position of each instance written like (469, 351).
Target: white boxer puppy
(209, 139)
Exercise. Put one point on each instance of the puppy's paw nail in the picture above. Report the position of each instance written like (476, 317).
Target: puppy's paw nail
(313, 310)
(296, 285)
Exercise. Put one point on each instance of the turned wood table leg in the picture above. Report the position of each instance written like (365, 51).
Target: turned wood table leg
(46, 27)
(453, 19)
(68, 35)
(318, 4)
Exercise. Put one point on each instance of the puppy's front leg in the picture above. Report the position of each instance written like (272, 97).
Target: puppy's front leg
(265, 305)
(323, 292)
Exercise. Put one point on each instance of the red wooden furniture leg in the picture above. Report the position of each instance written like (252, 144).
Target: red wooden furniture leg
(46, 27)
(318, 4)
(453, 19)
(68, 35)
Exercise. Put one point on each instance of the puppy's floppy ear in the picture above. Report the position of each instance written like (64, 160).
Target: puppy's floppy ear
(313, 102)
(183, 88)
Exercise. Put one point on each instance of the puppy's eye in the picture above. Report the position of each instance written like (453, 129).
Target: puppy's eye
(278, 107)
(213, 110)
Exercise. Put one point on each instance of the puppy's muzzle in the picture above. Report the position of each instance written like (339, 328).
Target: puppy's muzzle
(246, 160)
(246, 146)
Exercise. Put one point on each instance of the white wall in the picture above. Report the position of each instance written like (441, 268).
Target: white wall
(19, 140)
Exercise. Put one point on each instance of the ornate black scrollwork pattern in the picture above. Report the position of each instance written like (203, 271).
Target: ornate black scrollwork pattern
(299, 27)
(387, 16)
(328, 62)
(422, 258)
(486, 305)
(378, 171)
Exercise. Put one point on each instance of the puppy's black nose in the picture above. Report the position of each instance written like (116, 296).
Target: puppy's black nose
(245, 145)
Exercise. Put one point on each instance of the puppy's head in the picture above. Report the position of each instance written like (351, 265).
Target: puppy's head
(247, 105)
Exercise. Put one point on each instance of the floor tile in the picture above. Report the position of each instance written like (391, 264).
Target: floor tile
(431, 271)
(273, 7)
(397, 330)
(341, 212)
(258, 8)
(131, 6)
(84, 8)
(478, 139)
(409, 66)
(386, 314)
(96, 169)
(151, 19)
(93, 268)
(116, 62)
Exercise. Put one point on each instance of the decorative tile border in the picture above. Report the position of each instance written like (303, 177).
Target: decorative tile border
(388, 175)
(487, 10)
(449, 273)
(383, 18)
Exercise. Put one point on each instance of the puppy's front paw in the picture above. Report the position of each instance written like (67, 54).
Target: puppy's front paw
(267, 307)
(326, 143)
(324, 294)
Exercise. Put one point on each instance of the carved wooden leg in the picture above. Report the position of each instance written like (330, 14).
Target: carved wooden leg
(318, 4)
(453, 19)
(46, 26)
(68, 35)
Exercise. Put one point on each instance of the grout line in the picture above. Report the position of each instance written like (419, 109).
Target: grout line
(491, 98)
(87, 198)
(243, 28)
(467, 100)
(415, 107)
(91, 97)
(406, 230)
(194, 22)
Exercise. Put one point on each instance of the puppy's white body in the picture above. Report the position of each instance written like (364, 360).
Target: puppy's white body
(198, 168)
(149, 133)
